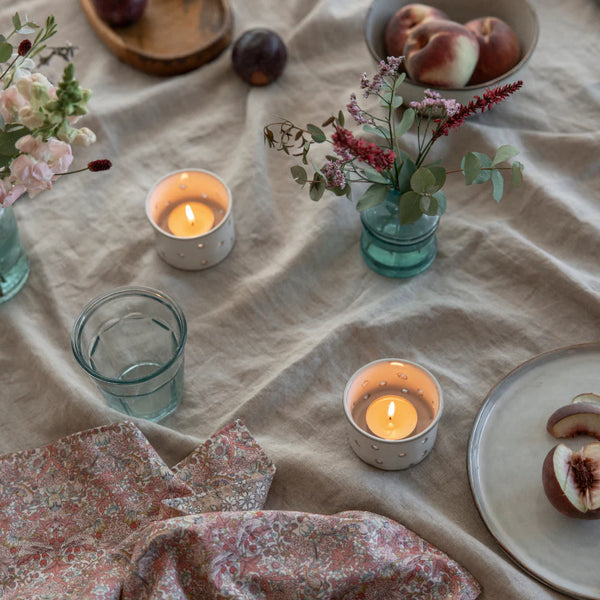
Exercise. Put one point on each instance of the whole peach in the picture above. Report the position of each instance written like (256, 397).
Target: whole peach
(441, 54)
(499, 49)
(404, 21)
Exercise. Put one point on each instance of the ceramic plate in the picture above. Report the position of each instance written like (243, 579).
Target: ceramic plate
(506, 451)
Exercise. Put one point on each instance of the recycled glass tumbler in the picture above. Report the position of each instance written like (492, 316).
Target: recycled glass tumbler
(131, 342)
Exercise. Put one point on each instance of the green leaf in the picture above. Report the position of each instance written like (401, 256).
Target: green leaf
(340, 118)
(439, 174)
(504, 153)
(374, 195)
(317, 134)
(16, 21)
(428, 205)
(386, 98)
(400, 79)
(375, 130)
(317, 188)
(421, 180)
(517, 173)
(5, 51)
(374, 176)
(497, 185)
(26, 29)
(8, 140)
(441, 200)
(408, 118)
(397, 101)
(471, 167)
(409, 209)
(406, 170)
(486, 163)
(299, 174)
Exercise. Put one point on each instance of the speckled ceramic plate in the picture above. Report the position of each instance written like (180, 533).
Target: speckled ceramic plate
(506, 451)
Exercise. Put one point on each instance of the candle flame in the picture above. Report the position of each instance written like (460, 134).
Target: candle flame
(391, 410)
(189, 213)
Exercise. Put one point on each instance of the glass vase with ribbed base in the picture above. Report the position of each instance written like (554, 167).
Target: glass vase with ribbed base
(393, 249)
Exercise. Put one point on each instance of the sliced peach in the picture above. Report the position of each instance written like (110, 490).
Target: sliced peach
(580, 418)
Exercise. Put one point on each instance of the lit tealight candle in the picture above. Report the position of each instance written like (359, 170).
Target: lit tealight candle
(391, 417)
(189, 219)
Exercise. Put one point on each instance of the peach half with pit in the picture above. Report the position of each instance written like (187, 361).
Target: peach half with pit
(442, 54)
(499, 49)
(571, 480)
(404, 20)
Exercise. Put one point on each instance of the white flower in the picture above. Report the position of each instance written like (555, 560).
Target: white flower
(22, 67)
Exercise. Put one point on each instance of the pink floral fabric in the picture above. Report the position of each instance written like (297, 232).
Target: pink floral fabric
(99, 516)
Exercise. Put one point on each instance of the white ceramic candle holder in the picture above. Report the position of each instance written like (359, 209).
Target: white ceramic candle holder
(194, 185)
(401, 378)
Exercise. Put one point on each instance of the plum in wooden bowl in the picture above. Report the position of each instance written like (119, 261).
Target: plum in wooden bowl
(456, 47)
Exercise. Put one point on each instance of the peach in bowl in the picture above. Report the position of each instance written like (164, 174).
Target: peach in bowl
(456, 47)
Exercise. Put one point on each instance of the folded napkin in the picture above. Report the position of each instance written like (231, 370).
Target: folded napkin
(99, 516)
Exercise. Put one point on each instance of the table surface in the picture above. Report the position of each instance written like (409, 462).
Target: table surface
(276, 330)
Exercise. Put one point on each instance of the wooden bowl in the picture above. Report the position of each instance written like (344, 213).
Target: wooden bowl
(172, 37)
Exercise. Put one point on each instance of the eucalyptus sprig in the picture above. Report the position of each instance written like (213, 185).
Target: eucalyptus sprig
(385, 165)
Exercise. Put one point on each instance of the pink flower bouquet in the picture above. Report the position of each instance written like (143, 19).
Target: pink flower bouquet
(380, 161)
(37, 119)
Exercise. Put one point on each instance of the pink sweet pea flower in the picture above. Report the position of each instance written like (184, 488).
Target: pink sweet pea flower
(9, 193)
(35, 175)
(10, 103)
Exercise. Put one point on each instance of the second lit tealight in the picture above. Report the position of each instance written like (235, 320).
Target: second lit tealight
(392, 407)
(191, 213)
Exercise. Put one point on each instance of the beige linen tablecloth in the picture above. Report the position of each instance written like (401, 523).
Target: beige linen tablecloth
(276, 330)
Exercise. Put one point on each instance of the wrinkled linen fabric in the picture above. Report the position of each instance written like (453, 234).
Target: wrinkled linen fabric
(276, 330)
(92, 517)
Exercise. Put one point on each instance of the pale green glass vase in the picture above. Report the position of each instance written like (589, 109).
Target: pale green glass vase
(396, 250)
(14, 265)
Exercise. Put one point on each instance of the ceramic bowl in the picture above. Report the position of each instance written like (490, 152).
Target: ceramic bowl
(519, 14)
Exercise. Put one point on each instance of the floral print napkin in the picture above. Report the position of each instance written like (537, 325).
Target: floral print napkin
(99, 516)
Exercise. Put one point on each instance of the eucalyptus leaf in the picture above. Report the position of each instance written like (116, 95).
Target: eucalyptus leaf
(421, 180)
(497, 185)
(374, 195)
(517, 174)
(16, 21)
(486, 163)
(26, 30)
(408, 118)
(504, 153)
(428, 205)
(317, 188)
(471, 167)
(374, 176)
(299, 174)
(375, 130)
(406, 170)
(316, 133)
(6, 50)
(439, 174)
(441, 200)
(341, 119)
(317, 169)
(409, 209)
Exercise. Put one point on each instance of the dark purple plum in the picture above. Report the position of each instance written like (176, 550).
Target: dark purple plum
(120, 13)
(259, 56)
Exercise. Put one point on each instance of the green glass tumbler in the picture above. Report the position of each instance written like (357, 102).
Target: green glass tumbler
(131, 342)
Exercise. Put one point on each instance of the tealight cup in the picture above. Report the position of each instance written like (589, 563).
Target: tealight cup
(130, 341)
(191, 213)
(411, 386)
